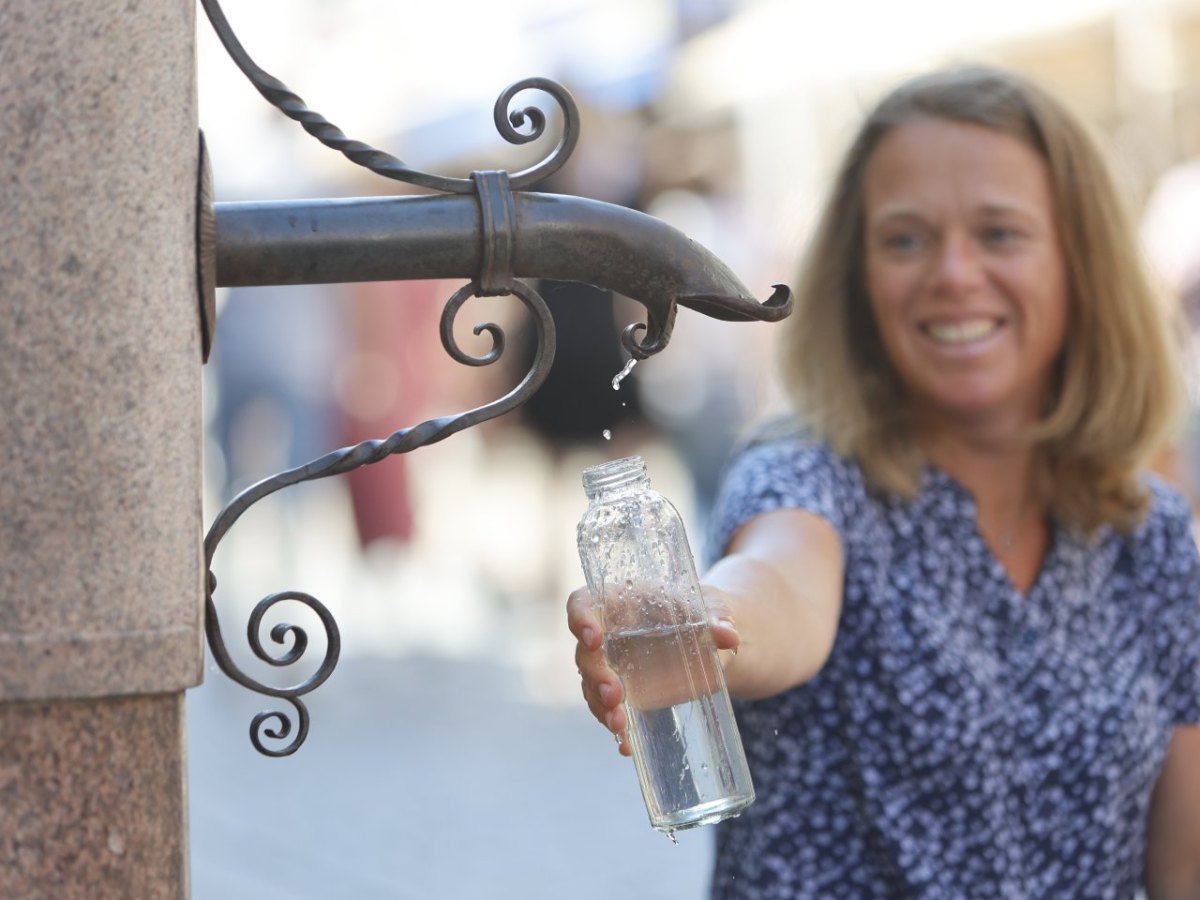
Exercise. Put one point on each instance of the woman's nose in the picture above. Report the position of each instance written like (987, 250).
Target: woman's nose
(958, 266)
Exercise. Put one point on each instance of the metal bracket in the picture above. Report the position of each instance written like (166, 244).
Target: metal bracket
(478, 229)
(498, 224)
(206, 251)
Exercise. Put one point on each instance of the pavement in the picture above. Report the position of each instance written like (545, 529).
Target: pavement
(424, 778)
(450, 755)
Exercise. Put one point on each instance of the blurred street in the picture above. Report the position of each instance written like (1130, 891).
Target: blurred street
(450, 755)
(424, 778)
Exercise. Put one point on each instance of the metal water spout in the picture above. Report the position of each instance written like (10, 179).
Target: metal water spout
(493, 237)
(487, 229)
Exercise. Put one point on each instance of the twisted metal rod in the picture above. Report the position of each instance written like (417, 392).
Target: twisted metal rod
(291, 105)
(498, 214)
(339, 462)
(293, 638)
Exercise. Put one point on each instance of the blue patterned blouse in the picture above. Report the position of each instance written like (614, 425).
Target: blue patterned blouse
(963, 740)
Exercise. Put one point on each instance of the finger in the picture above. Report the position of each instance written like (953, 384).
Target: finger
(601, 688)
(581, 619)
(608, 710)
(616, 720)
(593, 664)
(717, 602)
(725, 633)
(618, 724)
(595, 707)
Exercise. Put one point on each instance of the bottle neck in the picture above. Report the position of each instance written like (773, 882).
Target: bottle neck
(617, 477)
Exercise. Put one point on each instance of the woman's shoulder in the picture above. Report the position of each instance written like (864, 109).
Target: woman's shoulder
(783, 465)
(1158, 557)
(1168, 518)
(786, 439)
(785, 458)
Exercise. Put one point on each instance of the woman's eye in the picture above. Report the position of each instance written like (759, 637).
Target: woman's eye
(902, 242)
(999, 235)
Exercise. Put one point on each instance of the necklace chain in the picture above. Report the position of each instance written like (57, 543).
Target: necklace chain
(1008, 540)
(1008, 536)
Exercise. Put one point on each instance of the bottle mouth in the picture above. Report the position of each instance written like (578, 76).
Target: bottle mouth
(605, 476)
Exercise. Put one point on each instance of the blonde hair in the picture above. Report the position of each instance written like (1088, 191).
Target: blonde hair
(1119, 388)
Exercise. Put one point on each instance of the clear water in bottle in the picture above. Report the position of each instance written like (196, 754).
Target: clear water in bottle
(677, 708)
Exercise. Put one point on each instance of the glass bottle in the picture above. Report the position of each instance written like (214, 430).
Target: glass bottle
(639, 569)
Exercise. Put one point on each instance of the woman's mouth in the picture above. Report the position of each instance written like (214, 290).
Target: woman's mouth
(960, 332)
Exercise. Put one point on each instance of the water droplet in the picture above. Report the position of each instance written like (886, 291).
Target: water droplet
(607, 434)
(620, 376)
(674, 840)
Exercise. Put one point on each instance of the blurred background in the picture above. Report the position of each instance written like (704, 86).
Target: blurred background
(450, 754)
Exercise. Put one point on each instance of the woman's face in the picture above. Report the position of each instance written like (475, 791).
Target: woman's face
(965, 271)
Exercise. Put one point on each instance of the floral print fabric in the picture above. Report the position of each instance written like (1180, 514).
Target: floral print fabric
(963, 740)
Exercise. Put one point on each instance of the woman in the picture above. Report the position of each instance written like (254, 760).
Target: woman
(967, 623)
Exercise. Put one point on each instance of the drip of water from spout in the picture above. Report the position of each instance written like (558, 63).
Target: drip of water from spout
(607, 434)
(620, 376)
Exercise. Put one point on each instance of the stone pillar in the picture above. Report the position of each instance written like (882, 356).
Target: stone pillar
(100, 443)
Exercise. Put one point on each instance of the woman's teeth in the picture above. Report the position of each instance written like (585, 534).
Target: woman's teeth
(961, 332)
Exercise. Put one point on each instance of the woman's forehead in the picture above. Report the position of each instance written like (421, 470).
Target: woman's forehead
(929, 163)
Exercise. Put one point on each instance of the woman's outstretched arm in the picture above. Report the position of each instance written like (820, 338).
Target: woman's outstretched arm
(775, 599)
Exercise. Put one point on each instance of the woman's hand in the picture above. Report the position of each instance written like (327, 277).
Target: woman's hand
(601, 688)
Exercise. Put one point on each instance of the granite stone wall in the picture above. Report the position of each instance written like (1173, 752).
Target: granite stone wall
(100, 443)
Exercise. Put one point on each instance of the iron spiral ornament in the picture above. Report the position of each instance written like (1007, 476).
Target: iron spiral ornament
(508, 122)
(485, 229)
(292, 638)
(517, 126)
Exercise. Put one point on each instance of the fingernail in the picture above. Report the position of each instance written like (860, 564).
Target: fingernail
(723, 622)
(605, 692)
(587, 635)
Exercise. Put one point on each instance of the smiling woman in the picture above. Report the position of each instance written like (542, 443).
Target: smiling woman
(967, 619)
(1041, 183)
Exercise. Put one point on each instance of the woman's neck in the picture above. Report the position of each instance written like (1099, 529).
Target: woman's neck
(1010, 513)
(972, 453)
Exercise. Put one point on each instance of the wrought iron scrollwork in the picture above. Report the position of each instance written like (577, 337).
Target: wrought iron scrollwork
(280, 634)
(507, 121)
(480, 229)
(494, 192)
(340, 462)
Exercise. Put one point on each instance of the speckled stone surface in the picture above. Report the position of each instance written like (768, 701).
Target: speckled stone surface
(100, 436)
(92, 799)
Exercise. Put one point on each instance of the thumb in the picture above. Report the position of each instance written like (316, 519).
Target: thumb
(724, 632)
